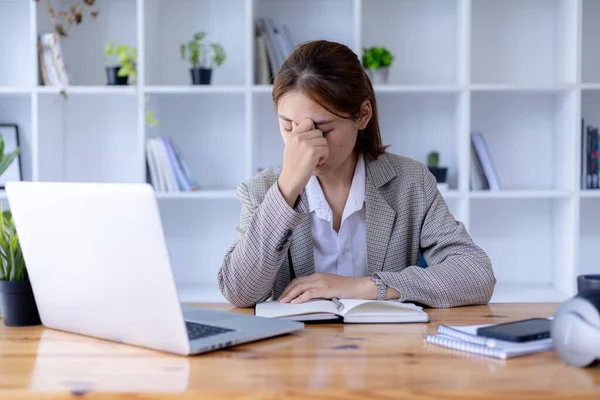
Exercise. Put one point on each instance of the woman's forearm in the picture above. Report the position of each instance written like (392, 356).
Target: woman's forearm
(250, 267)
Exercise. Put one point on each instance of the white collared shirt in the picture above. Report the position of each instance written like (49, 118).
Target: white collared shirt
(344, 252)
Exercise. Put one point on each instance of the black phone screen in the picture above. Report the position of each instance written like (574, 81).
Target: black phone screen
(518, 331)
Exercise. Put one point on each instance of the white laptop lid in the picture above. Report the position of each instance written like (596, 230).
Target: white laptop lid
(98, 262)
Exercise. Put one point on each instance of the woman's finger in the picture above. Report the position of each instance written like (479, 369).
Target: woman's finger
(307, 295)
(297, 291)
(291, 285)
(319, 142)
(304, 126)
(309, 135)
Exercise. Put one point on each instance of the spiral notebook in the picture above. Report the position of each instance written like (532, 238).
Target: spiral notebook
(465, 338)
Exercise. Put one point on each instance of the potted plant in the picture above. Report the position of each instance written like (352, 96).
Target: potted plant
(203, 58)
(17, 300)
(120, 62)
(440, 173)
(376, 61)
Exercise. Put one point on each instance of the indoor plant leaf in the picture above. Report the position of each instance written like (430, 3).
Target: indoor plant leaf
(7, 159)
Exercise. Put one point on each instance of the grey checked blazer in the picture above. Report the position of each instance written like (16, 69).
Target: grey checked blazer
(405, 214)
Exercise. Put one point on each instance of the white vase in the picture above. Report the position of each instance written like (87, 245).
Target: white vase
(379, 76)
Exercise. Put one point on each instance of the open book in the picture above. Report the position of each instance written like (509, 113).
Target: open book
(351, 310)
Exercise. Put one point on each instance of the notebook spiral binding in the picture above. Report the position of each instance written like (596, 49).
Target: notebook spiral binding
(465, 346)
(444, 330)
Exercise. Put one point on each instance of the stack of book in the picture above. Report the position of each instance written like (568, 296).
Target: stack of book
(590, 157)
(484, 175)
(53, 70)
(465, 338)
(166, 169)
(273, 46)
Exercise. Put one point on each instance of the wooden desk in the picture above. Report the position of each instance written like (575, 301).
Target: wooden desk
(334, 361)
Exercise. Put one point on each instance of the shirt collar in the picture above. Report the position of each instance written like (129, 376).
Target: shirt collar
(356, 196)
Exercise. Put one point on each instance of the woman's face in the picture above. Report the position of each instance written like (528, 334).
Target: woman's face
(340, 133)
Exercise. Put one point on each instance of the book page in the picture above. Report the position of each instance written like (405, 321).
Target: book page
(377, 307)
(275, 309)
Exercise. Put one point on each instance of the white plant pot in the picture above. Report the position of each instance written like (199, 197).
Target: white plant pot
(379, 76)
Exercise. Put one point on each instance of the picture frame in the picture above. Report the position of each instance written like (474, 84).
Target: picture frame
(10, 133)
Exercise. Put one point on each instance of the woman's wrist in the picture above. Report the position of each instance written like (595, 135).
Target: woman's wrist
(366, 288)
(290, 194)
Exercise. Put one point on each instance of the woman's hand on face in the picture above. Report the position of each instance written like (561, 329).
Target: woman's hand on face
(305, 148)
(321, 285)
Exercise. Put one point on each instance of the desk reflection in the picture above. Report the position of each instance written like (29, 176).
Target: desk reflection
(80, 364)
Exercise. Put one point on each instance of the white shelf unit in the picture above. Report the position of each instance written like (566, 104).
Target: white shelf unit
(522, 72)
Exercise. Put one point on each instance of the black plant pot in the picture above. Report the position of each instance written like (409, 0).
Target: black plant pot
(201, 76)
(439, 173)
(18, 304)
(113, 78)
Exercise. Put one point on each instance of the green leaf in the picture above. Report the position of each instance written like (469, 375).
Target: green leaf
(150, 118)
(8, 159)
(108, 48)
(1, 146)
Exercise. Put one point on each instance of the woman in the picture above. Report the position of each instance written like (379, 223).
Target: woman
(342, 217)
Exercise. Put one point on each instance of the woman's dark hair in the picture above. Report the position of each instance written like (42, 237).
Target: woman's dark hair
(331, 75)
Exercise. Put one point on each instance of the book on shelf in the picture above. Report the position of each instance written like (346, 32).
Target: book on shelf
(590, 157)
(274, 45)
(351, 310)
(465, 338)
(484, 175)
(167, 170)
(52, 68)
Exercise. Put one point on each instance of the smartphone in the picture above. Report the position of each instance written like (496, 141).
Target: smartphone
(518, 331)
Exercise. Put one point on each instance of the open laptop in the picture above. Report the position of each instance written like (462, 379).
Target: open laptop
(99, 266)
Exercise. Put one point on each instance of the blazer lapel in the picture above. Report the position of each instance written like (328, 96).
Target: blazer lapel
(301, 249)
(380, 216)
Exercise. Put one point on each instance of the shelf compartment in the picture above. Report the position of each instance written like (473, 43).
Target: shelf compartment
(521, 127)
(16, 109)
(528, 240)
(422, 35)
(590, 114)
(589, 236)
(523, 41)
(208, 132)
(413, 124)
(170, 23)
(590, 32)
(15, 30)
(88, 139)
(508, 292)
(316, 22)
(198, 236)
(83, 51)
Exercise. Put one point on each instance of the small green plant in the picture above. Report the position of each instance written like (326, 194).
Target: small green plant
(126, 58)
(376, 57)
(433, 159)
(12, 263)
(198, 54)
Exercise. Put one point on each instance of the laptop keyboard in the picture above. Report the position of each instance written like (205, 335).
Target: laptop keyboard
(197, 331)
